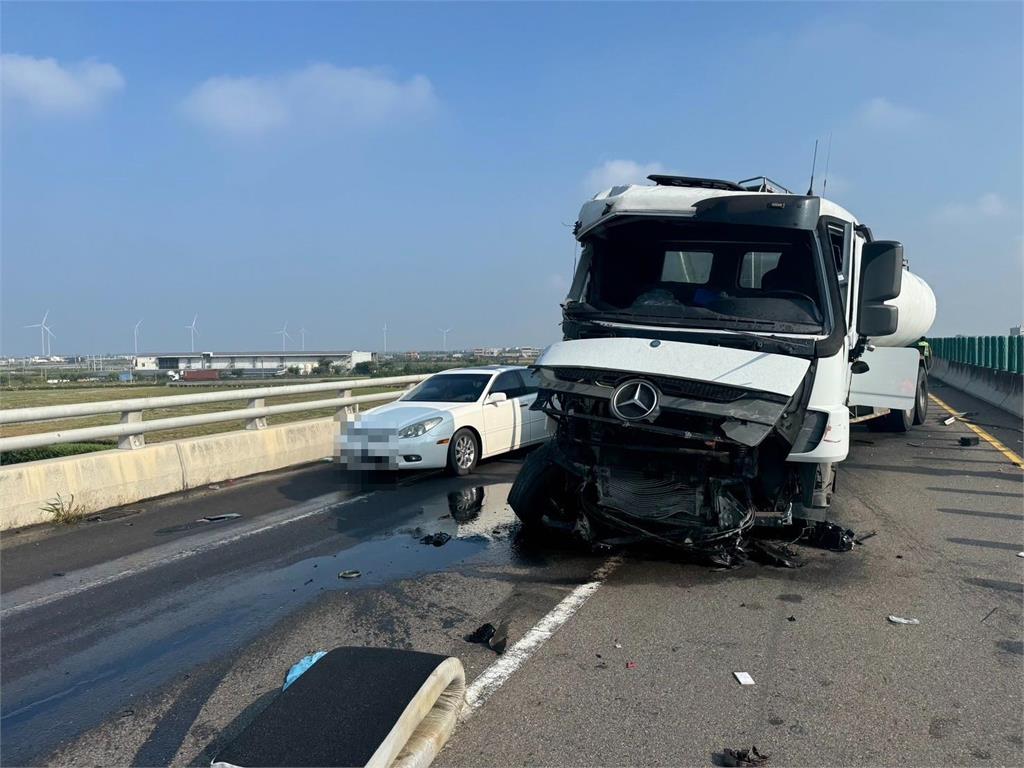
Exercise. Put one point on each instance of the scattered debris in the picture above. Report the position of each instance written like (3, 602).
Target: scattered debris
(988, 614)
(218, 518)
(949, 421)
(968, 440)
(630, 665)
(481, 634)
(601, 665)
(127, 713)
(1020, 554)
(349, 574)
(436, 539)
(58, 573)
(780, 556)
(861, 441)
(214, 487)
(618, 644)
(866, 536)
(915, 445)
(791, 618)
(307, 582)
(742, 757)
(743, 678)
(494, 638)
(901, 620)
(825, 534)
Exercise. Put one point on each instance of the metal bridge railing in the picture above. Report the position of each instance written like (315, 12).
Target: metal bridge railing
(131, 430)
(998, 353)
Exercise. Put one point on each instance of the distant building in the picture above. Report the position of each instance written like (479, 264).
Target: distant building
(1017, 331)
(247, 361)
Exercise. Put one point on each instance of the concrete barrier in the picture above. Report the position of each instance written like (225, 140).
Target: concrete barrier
(1002, 389)
(112, 478)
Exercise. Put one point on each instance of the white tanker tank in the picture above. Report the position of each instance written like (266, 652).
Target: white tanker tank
(916, 305)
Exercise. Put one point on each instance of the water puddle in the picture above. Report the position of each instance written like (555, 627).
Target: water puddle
(173, 631)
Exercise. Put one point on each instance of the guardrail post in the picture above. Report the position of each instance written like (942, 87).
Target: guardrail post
(346, 410)
(131, 442)
(1001, 356)
(260, 422)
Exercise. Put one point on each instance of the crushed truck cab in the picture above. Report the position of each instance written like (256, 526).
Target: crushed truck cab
(718, 341)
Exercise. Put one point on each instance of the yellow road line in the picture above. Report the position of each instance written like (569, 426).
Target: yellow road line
(1013, 457)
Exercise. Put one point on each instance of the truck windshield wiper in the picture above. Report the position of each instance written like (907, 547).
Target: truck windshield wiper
(792, 345)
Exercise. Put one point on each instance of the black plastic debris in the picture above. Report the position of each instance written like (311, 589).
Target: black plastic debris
(349, 574)
(826, 535)
(436, 539)
(866, 536)
(791, 618)
(481, 634)
(218, 518)
(741, 757)
(969, 440)
(773, 554)
(494, 638)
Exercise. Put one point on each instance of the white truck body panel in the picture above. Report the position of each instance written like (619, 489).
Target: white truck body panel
(756, 371)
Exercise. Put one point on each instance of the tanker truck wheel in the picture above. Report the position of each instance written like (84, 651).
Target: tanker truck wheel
(539, 489)
(893, 421)
(921, 401)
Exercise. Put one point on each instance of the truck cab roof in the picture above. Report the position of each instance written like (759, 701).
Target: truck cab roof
(680, 196)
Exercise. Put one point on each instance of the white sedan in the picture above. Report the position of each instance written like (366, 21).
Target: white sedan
(453, 419)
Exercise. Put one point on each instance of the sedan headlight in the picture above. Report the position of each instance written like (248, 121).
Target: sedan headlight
(420, 427)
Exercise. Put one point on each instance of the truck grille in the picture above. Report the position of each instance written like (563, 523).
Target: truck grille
(669, 386)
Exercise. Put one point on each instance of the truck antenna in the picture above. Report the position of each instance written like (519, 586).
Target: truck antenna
(814, 164)
(828, 158)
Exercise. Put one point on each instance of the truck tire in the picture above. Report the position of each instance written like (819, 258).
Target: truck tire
(893, 421)
(921, 400)
(537, 485)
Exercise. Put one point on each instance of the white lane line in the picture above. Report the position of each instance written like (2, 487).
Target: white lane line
(36, 595)
(492, 678)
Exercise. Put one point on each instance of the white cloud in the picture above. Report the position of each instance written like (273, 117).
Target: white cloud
(613, 172)
(988, 206)
(319, 94)
(48, 86)
(882, 114)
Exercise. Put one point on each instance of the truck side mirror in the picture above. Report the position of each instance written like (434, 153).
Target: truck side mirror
(881, 277)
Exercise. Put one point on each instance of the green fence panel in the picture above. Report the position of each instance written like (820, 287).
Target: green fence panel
(1001, 356)
(1017, 342)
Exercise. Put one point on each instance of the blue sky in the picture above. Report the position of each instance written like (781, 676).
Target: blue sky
(339, 166)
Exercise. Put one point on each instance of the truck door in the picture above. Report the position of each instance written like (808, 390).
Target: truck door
(889, 382)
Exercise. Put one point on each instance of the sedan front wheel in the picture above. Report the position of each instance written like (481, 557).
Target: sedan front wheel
(463, 452)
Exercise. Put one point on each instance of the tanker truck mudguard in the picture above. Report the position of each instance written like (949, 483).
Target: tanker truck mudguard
(718, 341)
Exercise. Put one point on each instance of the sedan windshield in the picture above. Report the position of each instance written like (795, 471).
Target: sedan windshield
(449, 388)
(711, 275)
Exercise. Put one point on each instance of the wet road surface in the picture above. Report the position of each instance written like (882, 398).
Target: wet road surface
(170, 655)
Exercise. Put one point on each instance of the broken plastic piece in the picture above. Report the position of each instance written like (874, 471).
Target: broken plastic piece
(949, 421)
(218, 518)
(301, 666)
(1020, 554)
(968, 440)
(436, 539)
(744, 678)
(481, 634)
(866, 536)
(791, 618)
(742, 757)
(630, 665)
(349, 574)
(901, 620)
(827, 535)
(494, 638)
(770, 554)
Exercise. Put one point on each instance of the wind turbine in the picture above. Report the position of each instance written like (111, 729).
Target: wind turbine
(302, 333)
(192, 332)
(385, 338)
(44, 329)
(135, 333)
(444, 338)
(285, 337)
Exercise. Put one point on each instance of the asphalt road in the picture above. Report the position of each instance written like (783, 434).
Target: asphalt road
(162, 636)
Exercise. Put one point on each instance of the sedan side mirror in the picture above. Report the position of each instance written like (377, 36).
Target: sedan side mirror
(495, 397)
(881, 278)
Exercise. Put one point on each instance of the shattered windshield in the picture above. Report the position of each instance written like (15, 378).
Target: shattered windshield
(707, 275)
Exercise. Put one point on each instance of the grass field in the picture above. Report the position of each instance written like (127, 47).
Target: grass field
(65, 395)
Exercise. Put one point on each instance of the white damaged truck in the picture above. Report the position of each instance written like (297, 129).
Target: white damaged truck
(719, 339)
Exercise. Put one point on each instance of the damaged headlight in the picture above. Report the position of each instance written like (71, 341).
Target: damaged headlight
(420, 427)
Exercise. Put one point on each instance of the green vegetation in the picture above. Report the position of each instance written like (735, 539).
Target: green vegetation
(52, 452)
(64, 511)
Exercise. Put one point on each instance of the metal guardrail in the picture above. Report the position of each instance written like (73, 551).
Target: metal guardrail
(131, 430)
(997, 353)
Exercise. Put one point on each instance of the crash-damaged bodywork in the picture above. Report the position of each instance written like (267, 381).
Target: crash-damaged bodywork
(702, 385)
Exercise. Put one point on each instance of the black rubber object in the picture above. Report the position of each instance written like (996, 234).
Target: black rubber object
(337, 713)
